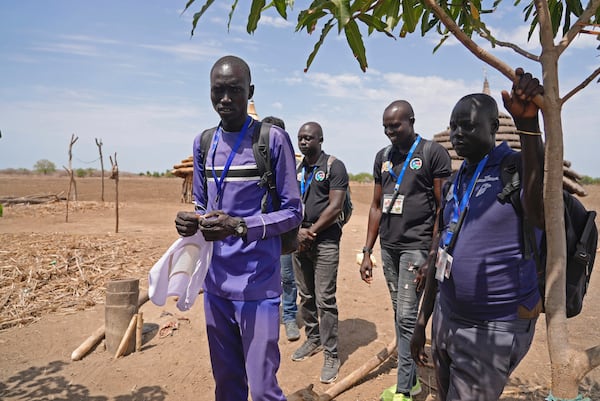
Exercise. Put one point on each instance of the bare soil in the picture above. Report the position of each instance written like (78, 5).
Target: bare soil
(52, 279)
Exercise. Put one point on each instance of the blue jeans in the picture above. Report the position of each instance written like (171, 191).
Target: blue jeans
(290, 292)
(316, 278)
(400, 270)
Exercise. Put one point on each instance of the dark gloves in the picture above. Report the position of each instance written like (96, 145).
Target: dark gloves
(217, 225)
(186, 223)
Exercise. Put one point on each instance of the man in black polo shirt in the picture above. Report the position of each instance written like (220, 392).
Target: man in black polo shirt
(408, 177)
(323, 183)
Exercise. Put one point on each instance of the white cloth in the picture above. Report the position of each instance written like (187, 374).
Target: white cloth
(180, 271)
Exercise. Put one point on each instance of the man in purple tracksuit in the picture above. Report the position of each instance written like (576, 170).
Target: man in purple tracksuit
(243, 284)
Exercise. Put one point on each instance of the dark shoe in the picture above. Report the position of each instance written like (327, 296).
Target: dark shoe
(292, 332)
(306, 350)
(330, 370)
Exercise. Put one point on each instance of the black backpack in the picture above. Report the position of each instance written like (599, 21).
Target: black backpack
(347, 206)
(262, 155)
(580, 230)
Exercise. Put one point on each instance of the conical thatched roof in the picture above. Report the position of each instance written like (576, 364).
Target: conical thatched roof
(508, 132)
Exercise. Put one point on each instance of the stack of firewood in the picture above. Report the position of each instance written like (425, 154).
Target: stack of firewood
(185, 170)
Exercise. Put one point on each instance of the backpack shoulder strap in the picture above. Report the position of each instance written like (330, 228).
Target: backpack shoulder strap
(205, 140)
(330, 161)
(426, 151)
(510, 175)
(262, 156)
(386, 152)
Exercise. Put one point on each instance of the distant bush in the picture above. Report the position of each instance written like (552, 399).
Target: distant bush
(18, 171)
(44, 166)
(361, 177)
(587, 180)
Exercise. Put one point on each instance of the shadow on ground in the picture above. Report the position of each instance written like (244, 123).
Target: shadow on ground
(45, 382)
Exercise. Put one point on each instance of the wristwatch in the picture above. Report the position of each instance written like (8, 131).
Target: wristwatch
(367, 250)
(241, 229)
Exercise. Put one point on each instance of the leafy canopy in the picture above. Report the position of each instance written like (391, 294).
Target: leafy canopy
(394, 18)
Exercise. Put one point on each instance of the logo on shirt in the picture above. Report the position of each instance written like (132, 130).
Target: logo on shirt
(386, 166)
(416, 163)
(319, 176)
(482, 189)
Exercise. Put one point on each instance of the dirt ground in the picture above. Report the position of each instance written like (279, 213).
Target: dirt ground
(52, 278)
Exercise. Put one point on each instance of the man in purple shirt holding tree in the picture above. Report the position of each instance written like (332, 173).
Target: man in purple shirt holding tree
(243, 286)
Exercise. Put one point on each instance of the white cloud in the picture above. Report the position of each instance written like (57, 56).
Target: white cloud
(276, 22)
(68, 48)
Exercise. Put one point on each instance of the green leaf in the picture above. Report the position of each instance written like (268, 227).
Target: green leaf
(281, 7)
(255, 12)
(188, 4)
(392, 14)
(308, 19)
(324, 32)
(341, 10)
(199, 13)
(356, 43)
(374, 24)
(409, 16)
(360, 6)
(442, 40)
(230, 16)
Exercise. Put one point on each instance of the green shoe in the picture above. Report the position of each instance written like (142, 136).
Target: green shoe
(388, 393)
(401, 397)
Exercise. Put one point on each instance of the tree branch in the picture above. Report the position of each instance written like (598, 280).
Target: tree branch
(582, 21)
(582, 85)
(479, 52)
(517, 49)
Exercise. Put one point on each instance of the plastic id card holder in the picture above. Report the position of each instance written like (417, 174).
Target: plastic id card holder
(398, 204)
(443, 265)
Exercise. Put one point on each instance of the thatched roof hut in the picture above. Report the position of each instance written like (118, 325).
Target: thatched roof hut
(508, 132)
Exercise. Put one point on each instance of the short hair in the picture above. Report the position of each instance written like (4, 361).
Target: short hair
(315, 126)
(275, 121)
(234, 61)
(484, 101)
(404, 104)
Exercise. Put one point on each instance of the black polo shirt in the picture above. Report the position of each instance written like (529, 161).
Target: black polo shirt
(316, 195)
(413, 229)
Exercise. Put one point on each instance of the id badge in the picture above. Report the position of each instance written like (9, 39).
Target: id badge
(449, 260)
(396, 207)
(440, 264)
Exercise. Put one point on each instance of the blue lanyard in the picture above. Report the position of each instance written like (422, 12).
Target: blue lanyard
(304, 184)
(238, 142)
(459, 207)
(408, 157)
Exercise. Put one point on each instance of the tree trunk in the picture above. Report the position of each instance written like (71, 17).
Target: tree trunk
(568, 365)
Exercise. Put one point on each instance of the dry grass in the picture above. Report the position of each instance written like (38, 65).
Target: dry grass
(58, 273)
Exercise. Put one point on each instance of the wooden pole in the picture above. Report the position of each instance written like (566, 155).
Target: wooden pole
(127, 337)
(115, 176)
(72, 184)
(99, 144)
(139, 332)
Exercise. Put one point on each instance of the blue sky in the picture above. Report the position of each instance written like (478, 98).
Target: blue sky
(128, 73)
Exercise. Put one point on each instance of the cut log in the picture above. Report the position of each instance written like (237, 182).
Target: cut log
(98, 334)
